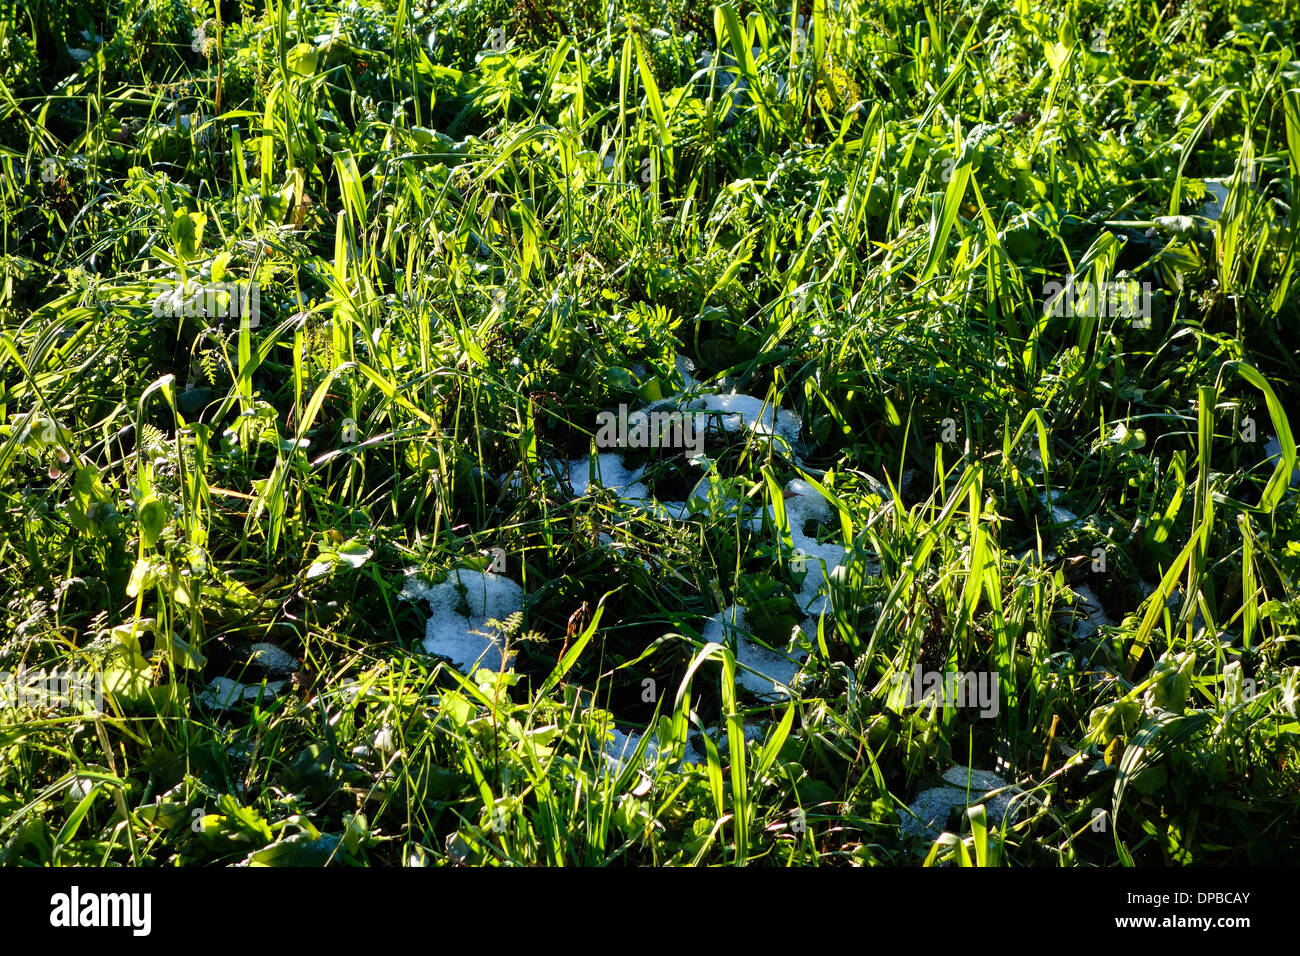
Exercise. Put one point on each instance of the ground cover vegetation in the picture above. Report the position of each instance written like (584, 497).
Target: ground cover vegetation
(312, 314)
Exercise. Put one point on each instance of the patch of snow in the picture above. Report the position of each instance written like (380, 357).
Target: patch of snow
(222, 693)
(776, 672)
(512, 482)
(609, 473)
(273, 658)
(1213, 207)
(763, 671)
(746, 411)
(686, 369)
(626, 483)
(1059, 515)
(620, 747)
(980, 780)
(806, 504)
(449, 633)
(928, 813)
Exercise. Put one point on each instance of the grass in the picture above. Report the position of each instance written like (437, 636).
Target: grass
(476, 225)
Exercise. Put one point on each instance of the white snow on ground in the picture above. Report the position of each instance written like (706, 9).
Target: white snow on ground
(273, 658)
(621, 746)
(803, 506)
(222, 693)
(776, 672)
(686, 369)
(746, 411)
(609, 473)
(512, 482)
(980, 780)
(626, 484)
(449, 631)
(1213, 206)
(737, 411)
(928, 813)
(806, 504)
(492, 596)
(1059, 515)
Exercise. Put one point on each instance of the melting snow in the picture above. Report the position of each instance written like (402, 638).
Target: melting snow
(609, 473)
(776, 672)
(928, 814)
(746, 411)
(273, 658)
(626, 484)
(620, 747)
(1213, 207)
(449, 632)
(686, 369)
(1059, 515)
(751, 733)
(805, 505)
(929, 811)
(222, 693)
